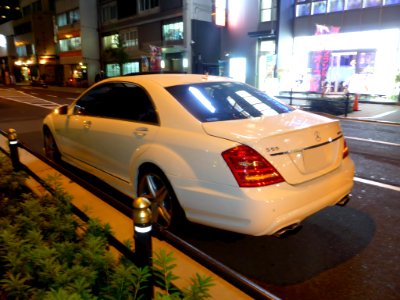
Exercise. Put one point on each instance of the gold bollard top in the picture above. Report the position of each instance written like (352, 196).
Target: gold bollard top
(12, 134)
(141, 211)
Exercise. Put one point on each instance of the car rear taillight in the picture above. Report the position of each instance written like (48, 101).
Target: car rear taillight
(345, 150)
(249, 168)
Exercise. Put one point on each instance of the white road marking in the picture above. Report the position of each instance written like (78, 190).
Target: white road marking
(372, 141)
(378, 184)
(379, 116)
(25, 98)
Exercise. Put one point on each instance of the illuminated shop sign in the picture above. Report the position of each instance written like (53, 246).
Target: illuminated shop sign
(320, 60)
(3, 41)
(220, 12)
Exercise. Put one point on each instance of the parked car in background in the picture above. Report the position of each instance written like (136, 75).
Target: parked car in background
(206, 149)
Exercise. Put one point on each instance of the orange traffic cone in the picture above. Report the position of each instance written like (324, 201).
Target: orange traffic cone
(355, 104)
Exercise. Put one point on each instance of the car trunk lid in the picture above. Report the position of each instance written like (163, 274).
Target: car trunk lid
(300, 145)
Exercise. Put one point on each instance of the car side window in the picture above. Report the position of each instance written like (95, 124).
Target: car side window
(94, 101)
(119, 100)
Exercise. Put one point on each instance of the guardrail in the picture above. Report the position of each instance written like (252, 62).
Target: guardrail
(334, 104)
(143, 229)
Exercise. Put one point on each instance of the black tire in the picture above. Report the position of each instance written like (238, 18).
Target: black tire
(165, 208)
(50, 147)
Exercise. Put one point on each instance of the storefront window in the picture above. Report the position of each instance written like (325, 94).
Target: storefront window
(266, 66)
(112, 70)
(366, 62)
(131, 67)
(237, 68)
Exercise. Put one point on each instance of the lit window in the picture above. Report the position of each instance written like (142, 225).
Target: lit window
(130, 39)
(390, 2)
(21, 51)
(268, 10)
(371, 3)
(303, 9)
(109, 13)
(110, 41)
(112, 70)
(237, 68)
(353, 4)
(148, 4)
(173, 31)
(71, 44)
(131, 67)
(73, 16)
(68, 18)
(335, 5)
(220, 12)
(62, 20)
(318, 7)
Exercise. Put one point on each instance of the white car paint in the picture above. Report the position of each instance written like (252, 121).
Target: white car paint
(306, 149)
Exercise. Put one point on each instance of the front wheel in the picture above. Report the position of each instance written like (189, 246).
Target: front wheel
(165, 208)
(50, 147)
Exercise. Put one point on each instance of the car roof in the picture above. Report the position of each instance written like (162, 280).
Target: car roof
(170, 79)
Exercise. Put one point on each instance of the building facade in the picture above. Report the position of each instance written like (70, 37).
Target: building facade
(9, 10)
(329, 46)
(30, 44)
(350, 45)
(324, 46)
(77, 41)
(141, 36)
(164, 35)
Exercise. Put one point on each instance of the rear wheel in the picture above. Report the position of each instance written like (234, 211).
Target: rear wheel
(165, 208)
(50, 147)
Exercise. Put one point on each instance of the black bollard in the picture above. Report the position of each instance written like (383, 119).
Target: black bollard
(143, 246)
(346, 106)
(13, 145)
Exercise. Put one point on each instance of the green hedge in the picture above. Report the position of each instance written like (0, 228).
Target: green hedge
(333, 106)
(48, 253)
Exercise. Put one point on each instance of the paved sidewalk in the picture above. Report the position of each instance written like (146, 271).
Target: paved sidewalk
(389, 113)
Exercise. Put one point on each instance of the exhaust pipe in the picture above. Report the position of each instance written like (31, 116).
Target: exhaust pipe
(344, 200)
(291, 229)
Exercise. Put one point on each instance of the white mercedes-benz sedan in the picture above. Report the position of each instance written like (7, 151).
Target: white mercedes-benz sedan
(206, 149)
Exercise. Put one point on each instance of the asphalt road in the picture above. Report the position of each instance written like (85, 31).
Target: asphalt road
(347, 252)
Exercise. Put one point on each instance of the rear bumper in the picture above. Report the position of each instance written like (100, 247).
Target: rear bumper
(266, 210)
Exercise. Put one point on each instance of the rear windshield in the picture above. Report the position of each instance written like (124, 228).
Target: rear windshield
(222, 101)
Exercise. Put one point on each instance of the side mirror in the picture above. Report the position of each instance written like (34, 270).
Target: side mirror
(62, 110)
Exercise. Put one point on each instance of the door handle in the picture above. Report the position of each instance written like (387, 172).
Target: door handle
(141, 131)
(87, 124)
